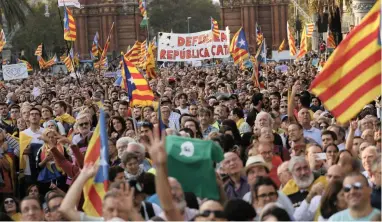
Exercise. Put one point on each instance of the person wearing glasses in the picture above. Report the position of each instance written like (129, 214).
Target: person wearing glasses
(10, 206)
(358, 197)
(211, 211)
(264, 192)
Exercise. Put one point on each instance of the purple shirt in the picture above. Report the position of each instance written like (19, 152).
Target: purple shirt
(233, 193)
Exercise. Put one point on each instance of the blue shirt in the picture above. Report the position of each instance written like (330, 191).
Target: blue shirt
(314, 134)
(208, 131)
(345, 216)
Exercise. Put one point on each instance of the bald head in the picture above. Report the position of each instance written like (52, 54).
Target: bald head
(335, 172)
(211, 205)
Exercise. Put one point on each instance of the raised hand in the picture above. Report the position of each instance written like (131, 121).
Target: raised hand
(354, 125)
(89, 170)
(156, 148)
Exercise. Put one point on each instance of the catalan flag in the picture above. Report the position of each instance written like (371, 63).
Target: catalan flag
(143, 55)
(142, 8)
(29, 66)
(38, 50)
(70, 31)
(102, 64)
(3, 40)
(351, 78)
(51, 62)
(25, 140)
(95, 45)
(139, 91)
(133, 55)
(239, 47)
(150, 62)
(69, 64)
(41, 62)
(282, 46)
(259, 35)
(330, 41)
(97, 152)
(291, 41)
(107, 44)
(214, 30)
(309, 29)
(303, 45)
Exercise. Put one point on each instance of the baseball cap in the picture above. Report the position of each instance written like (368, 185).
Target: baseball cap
(256, 160)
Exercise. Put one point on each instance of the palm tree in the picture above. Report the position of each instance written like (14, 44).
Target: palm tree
(14, 11)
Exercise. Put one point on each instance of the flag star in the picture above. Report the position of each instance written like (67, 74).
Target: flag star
(242, 42)
(130, 80)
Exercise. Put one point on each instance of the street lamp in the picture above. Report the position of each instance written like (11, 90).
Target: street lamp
(188, 23)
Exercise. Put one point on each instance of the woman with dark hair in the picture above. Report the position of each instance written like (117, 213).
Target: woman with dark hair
(346, 161)
(235, 130)
(130, 124)
(331, 151)
(33, 191)
(272, 212)
(117, 127)
(10, 206)
(332, 201)
(195, 127)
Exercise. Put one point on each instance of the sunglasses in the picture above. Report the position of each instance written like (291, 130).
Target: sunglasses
(356, 186)
(9, 202)
(83, 124)
(217, 213)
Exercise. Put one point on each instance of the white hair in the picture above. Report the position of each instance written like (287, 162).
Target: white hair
(269, 117)
(141, 147)
(294, 160)
(125, 140)
(282, 166)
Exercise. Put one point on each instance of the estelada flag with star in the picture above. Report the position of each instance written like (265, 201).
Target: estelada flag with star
(239, 47)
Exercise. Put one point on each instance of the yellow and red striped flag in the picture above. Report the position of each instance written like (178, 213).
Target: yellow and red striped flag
(70, 30)
(150, 62)
(331, 42)
(351, 78)
(142, 8)
(41, 62)
(3, 40)
(138, 90)
(143, 55)
(51, 62)
(68, 63)
(214, 30)
(259, 35)
(29, 66)
(95, 188)
(133, 54)
(239, 47)
(282, 46)
(303, 45)
(291, 41)
(95, 45)
(38, 50)
(309, 29)
(107, 44)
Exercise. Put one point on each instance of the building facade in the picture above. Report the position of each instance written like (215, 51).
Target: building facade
(270, 15)
(98, 16)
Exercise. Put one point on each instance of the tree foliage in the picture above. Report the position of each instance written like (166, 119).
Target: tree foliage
(40, 29)
(15, 11)
(165, 15)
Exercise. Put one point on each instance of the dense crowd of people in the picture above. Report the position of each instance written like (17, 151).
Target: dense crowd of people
(285, 157)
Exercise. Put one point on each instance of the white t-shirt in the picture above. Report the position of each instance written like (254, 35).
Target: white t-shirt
(183, 111)
(29, 132)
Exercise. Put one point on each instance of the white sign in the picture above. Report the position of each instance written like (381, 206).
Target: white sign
(15, 71)
(175, 47)
(74, 3)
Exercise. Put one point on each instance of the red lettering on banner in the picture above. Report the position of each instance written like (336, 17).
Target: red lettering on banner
(162, 54)
(180, 41)
(169, 54)
(206, 53)
(194, 40)
(188, 41)
(219, 50)
(182, 54)
(188, 54)
(213, 50)
(225, 49)
(176, 54)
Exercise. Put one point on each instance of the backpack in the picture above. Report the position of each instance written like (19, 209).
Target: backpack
(149, 210)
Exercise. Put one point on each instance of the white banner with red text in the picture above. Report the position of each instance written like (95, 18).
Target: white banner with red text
(180, 47)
